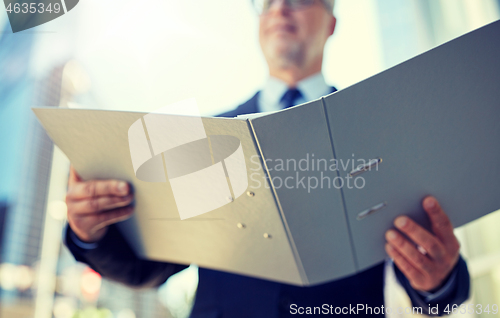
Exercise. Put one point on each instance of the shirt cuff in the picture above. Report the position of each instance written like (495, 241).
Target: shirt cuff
(442, 292)
(80, 243)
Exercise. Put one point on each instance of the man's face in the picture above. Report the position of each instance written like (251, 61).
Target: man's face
(294, 37)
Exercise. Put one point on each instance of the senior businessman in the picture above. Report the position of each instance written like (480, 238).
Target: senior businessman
(292, 35)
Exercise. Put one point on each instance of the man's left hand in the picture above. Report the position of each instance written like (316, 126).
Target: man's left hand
(426, 259)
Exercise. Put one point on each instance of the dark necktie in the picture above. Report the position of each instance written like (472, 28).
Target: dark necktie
(290, 97)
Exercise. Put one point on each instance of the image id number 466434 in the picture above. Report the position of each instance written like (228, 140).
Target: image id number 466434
(34, 7)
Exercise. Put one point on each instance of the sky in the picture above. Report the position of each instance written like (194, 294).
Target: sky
(142, 56)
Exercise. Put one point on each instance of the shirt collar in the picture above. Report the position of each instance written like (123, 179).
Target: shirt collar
(312, 87)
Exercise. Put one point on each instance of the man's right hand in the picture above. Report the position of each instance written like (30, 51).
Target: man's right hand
(93, 205)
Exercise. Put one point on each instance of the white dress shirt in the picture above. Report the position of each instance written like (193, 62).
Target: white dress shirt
(311, 88)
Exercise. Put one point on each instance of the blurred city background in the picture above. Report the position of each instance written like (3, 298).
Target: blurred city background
(141, 55)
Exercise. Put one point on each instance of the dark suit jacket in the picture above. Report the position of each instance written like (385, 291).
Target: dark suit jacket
(222, 294)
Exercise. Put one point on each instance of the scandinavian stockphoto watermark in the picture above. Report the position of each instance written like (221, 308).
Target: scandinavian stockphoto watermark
(204, 172)
(310, 173)
(26, 14)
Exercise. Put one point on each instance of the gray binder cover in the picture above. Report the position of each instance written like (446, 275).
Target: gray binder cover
(325, 179)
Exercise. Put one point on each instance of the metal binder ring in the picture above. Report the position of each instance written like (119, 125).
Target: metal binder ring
(365, 167)
(371, 210)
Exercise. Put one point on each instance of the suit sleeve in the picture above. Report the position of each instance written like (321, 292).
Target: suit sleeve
(456, 290)
(114, 259)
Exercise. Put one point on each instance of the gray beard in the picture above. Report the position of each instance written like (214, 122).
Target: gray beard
(286, 57)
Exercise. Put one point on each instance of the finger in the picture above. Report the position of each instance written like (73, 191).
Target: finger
(441, 225)
(97, 188)
(74, 177)
(409, 252)
(114, 216)
(415, 277)
(98, 204)
(421, 236)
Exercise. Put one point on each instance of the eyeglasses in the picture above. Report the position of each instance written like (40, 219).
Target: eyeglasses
(263, 6)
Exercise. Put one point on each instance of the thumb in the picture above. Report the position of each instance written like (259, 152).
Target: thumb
(74, 177)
